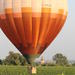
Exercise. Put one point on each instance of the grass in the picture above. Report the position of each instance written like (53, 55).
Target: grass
(44, 70)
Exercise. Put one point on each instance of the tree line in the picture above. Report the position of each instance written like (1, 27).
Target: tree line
(13, 59)
(18, 59)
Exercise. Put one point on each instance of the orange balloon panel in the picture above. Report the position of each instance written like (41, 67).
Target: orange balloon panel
(31, 25)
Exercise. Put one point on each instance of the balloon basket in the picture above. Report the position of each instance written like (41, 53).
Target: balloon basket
(32, 70)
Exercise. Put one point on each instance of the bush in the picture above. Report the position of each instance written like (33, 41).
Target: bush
(73, 64)
(68, 65)
(51, 64)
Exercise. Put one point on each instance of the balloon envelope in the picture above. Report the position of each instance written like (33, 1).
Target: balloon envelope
(31, 25)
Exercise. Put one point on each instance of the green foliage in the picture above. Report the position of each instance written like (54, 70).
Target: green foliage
(1, 62)
(60, 59)
(51, 64)
(48, 64)
(14, 59)
(73, 64)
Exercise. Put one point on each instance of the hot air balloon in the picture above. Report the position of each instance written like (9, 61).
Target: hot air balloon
(32, 25)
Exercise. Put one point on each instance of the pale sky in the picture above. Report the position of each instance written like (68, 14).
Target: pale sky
(64, 42)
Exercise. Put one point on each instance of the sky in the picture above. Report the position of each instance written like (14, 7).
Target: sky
(64, 42)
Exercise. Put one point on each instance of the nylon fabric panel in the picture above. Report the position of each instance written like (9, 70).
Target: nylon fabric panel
(8, 32)
(36, 19)
(11, 24)
(17, 14)
(57, 31)
(27, 20)
(51, 24)
(32, 25)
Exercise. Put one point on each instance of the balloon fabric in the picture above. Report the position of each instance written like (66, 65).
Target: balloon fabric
(32, 25)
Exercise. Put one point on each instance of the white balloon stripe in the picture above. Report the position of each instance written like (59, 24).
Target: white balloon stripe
(46, 4)
(26, 3)
(36, 5)
(16, 6)
(2, 11)
(2, 7)
(57, 5)
(8, 4)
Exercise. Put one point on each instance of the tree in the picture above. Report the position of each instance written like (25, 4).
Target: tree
(14, 59)
(22, 60)
(0, 62)
(73, 64)
(60, 59)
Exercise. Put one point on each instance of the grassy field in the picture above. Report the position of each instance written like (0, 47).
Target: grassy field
(45, 70)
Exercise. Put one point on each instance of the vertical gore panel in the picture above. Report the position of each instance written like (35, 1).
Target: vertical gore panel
(36, 16)
(58, 27)
(1, 10)
(9, 17)
(17, 14)
(27, 20)
(4, 26)
(55, 24)
(8, 33)
(46, 8)
(51, 26)
(62, 11)
(51, 22)
(54, 28)
(0, 22)
(57, 31)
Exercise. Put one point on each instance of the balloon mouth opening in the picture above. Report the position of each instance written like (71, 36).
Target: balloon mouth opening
(31, 53)
(30, 58)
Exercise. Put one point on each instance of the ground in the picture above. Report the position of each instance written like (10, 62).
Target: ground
(41, 70)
